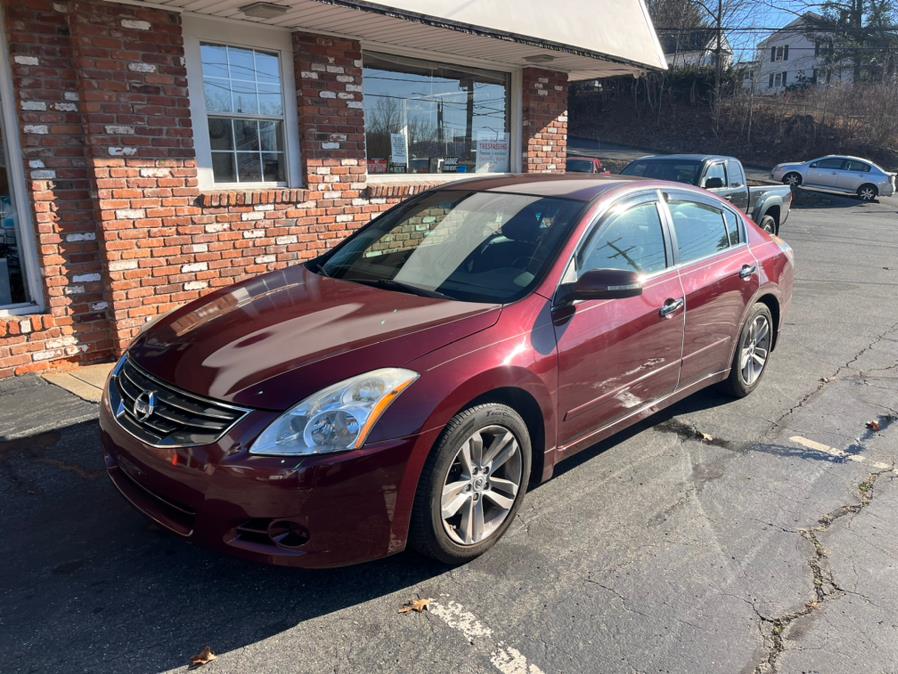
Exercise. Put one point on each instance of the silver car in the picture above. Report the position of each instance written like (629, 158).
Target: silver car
(837, 173)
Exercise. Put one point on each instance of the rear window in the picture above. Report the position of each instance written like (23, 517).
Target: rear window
(676, 170)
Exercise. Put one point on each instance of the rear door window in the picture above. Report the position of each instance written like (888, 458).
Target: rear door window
(735, 174)
(700, 230)
(855, 165)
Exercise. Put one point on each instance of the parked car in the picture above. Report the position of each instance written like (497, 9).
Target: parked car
(585, 165)
(408, 385)
(724, 176)
(837, 173)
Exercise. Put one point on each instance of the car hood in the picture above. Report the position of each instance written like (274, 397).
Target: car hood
(272, 340)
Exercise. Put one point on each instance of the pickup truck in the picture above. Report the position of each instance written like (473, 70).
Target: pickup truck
(767, 205)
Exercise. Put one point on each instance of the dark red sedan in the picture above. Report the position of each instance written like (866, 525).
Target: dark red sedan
(408, 385)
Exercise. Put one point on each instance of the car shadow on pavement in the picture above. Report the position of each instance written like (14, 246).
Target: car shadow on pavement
(89, 584)
(810, 199)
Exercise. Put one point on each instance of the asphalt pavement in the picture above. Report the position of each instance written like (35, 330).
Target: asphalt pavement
(718, 536)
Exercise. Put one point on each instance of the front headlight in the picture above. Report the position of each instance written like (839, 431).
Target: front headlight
(337, 418)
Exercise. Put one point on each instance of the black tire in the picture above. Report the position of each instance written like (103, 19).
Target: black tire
(792, 178)
(428, 534)
(738, 384)
(768, 224)
(867, 192)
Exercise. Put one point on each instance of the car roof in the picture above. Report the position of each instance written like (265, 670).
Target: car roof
(581, 187)
(690, 157)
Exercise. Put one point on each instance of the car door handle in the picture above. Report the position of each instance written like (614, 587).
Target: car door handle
(670, 307)
(747, 271)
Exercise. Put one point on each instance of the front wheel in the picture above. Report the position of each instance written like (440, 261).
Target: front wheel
(752, 352)
(768, 224)
(792, 179)
(472, 484)
(867, 192)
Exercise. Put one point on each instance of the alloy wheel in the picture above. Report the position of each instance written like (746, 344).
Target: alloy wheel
(867, 193)
(792, 179)
(481, 485)
(755, 349)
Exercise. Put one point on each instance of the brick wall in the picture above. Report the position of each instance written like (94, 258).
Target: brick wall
(544, 121)
(123, 230)
(75, 326)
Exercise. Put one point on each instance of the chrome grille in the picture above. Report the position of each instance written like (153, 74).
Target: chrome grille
(161, 415)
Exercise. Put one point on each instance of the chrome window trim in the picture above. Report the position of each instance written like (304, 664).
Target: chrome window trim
(116, 405)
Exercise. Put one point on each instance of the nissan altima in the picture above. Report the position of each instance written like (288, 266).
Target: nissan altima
(406, 387)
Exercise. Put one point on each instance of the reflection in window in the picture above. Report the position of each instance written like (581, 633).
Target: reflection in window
(421, 117)
(12, 278)
(699, 228)
(245, 107)
(633, 241)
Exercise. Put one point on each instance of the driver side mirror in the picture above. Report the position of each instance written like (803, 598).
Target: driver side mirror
(713, 183)
(603, 284)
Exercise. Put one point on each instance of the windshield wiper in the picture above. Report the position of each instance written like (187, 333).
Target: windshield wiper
(392, 284)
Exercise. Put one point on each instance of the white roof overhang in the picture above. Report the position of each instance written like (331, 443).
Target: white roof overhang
(585, 38)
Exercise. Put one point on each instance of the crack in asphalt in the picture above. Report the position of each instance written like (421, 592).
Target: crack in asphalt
(825, 585)
(828, 380)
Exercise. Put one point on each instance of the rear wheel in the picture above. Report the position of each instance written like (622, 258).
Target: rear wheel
(768, 224)
(792, 179)
(472, 484)
(752, 352)
(867, 192)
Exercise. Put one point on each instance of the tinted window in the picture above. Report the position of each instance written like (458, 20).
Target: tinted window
(471, 246)
(735, 173)
(700, 230)
(733, 229)
(716, 171)
(632, 240)
(831, 163)
(855, 165)
(580, 166)
(677, 170)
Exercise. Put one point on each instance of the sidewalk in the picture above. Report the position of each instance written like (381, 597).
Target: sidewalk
(29, 405)
(85, 382)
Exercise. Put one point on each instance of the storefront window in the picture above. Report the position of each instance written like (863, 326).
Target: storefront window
(13, 289)
(423, 117)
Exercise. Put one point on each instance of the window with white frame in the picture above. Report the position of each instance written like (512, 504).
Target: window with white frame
(245, 108)
(20, 282)
(243, 105)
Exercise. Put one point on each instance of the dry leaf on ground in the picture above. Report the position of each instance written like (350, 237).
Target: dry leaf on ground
(204, 657)
(874, 426)
(416, 606)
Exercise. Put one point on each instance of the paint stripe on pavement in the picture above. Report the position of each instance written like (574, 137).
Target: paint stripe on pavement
(839, 453)
(507, 659)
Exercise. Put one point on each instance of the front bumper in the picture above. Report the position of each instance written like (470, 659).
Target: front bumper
(313, 512)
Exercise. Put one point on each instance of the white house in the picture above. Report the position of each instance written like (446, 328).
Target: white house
(694, 48)
(796, 55)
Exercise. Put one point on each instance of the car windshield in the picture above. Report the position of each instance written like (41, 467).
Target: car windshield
(580, 165)
(678, 170)
(462, 245)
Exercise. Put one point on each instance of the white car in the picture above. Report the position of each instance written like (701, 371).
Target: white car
(838, 173)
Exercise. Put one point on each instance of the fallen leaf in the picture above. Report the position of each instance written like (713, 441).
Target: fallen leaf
(825, 380)
(874, 426)
(204, 657)
(707, 438)
(416, 606)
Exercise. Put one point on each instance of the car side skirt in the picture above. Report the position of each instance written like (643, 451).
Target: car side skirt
(596, 436)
